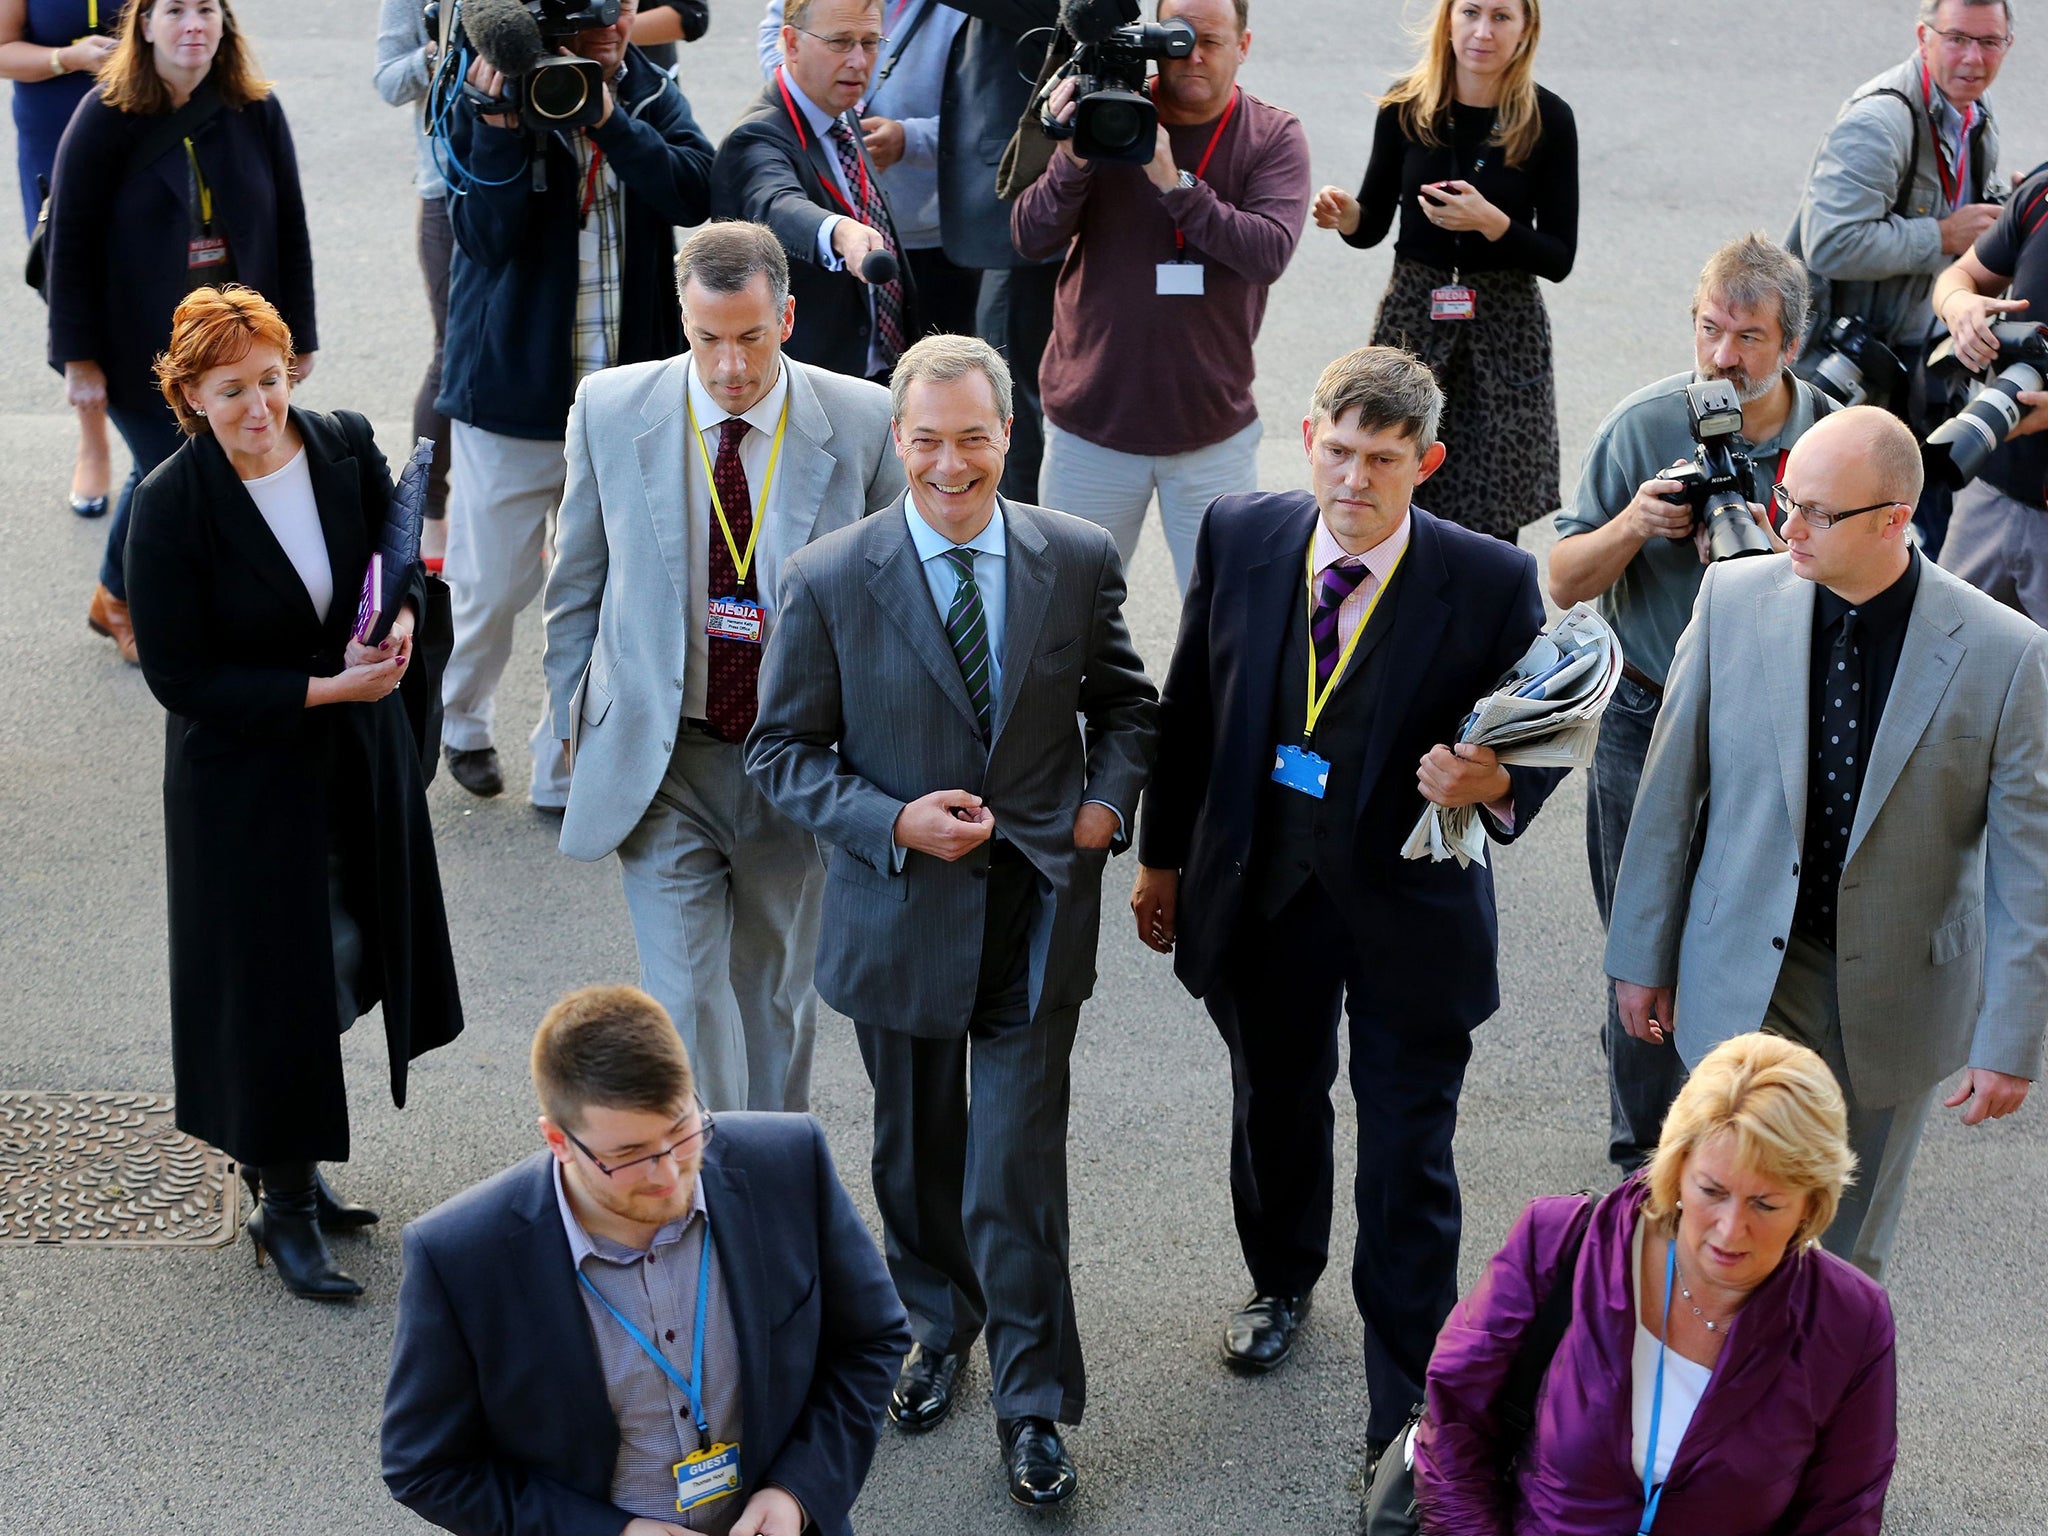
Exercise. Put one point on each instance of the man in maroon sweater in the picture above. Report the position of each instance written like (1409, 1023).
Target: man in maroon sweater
(1167, 272)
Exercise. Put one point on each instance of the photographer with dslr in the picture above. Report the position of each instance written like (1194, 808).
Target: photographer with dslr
(1905, 179)
(563, 243)
(1630, 544)
(1168, 260)
(1998, 538)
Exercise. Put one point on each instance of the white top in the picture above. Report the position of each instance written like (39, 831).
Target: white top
(1685, 1383)
(285, 498)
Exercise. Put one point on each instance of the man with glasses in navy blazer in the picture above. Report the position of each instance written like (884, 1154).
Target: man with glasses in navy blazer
(646, 1329)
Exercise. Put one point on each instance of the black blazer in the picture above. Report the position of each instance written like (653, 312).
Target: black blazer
(984, 97)
(117, 247)
(496, 1420)
(259, 789)
(765, 175)
(1465, 608)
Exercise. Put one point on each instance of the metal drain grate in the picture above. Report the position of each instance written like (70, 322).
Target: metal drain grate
(110, 1169)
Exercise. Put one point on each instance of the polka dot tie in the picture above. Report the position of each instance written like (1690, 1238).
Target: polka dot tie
(1837, 779)
(731, 697)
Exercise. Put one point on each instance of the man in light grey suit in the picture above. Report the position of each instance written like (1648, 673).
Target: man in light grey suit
(690, 482)
(918, 708)
(1869, 737)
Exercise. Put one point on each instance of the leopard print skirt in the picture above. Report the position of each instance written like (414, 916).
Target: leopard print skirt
(1500, 397)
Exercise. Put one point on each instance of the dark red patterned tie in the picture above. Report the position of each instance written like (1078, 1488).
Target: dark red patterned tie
(889, 295)
(731, 698)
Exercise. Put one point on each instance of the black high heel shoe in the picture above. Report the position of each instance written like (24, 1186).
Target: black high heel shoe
(333, 1212)
(285, 1224)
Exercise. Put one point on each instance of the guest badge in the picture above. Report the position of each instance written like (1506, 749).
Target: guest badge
(705, 1476)
(735, 618)
(1184, 277)
(1453, 301)
(1299, 768)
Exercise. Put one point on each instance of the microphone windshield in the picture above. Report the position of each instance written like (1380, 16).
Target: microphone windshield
(505, 33)
(879, 267)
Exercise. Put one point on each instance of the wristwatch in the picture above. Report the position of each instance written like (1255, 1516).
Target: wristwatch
(57, 64)
(1187, 179)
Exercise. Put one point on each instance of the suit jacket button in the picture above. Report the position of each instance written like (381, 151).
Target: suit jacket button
(1795, 871)
(1777, 943)
(668, 746)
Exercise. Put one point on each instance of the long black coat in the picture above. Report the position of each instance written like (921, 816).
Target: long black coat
(258, 789)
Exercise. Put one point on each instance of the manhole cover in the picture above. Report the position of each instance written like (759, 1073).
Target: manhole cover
(109, 1168)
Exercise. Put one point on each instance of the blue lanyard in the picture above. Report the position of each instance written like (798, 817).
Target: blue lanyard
(690, 1386)
(1653, 1491)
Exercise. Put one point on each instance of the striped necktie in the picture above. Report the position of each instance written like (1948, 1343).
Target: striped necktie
(967, 629)
(1338, 583)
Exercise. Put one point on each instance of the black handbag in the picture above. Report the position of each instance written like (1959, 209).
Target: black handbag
(1390, 1499)
(433, 642)
(35, 271)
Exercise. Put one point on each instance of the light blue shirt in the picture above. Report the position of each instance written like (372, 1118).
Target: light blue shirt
(991, 549)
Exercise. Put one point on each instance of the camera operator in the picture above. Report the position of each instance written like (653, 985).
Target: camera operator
(1624, 543)
(1998, 538)
(1166, 263)
(1904, 180)
(563, 245)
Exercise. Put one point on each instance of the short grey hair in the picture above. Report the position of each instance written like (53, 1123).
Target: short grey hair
(796, 12)
(940, 359)
(724, 257)
(1389, 388)
(1930, 9)
(1756, 272)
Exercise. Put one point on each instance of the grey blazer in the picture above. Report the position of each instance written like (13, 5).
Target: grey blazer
(863, 710)
(1942, 948)
(619, 585)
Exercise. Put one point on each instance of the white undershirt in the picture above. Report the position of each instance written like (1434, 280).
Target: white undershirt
(1685, 1383)
(285, 498)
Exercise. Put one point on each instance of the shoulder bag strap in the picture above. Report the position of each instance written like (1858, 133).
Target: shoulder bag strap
(903, 42)
(1546, 1331)
(165, 134)
(1905, 196)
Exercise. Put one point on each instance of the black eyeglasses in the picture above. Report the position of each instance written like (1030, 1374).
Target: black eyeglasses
(1963, 42)
(1818, 519)
(697, 1139)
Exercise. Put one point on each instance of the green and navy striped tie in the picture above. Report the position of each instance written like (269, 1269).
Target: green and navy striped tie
(967, 629)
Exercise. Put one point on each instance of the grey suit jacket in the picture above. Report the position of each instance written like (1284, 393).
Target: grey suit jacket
(1942, 947)
(863, 711)
(617, 636)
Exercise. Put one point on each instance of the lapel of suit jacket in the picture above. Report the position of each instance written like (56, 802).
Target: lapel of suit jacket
(1759, 1351)
(239, 520)
(1410, 636)
(896, 580)
(1027, 594)
(1784, 636)
(538, 1255)
(1258, 626)
(663, 449)
(337, 492)
(736, 1243)
(807, 464)
(1927, 662)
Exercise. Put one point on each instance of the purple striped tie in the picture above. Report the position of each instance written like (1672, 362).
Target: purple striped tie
(1338, 583)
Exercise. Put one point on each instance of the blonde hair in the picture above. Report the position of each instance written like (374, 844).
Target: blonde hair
(1785, 1112)
(1425, 94)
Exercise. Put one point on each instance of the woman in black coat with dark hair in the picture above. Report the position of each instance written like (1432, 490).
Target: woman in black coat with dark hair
(303, 885)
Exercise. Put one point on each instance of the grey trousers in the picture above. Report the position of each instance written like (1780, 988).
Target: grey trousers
(1642, 1079)
(1805, 1008)
(724, 892)
(1999, 545)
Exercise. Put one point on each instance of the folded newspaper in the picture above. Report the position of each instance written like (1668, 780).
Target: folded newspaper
(1544, 714)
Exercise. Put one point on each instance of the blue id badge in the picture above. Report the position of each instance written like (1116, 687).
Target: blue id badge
(707, 1475)
(1299, 768)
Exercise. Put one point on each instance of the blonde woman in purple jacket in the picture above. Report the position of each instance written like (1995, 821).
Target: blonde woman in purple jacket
(1721, 1376)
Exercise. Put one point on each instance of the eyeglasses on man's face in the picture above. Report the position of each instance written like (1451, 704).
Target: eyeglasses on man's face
(842, 44)
(691, 1141)
(1814, 517)
(1963, 42)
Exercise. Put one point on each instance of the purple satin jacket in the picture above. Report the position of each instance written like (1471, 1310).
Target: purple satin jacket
(1795, 1436)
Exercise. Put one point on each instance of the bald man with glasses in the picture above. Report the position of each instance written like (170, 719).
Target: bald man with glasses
(1865, 738)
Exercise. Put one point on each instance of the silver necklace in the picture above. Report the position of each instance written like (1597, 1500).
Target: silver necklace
(1712, 1325)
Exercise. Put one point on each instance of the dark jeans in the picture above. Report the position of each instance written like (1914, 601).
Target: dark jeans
(152, 435)
(1642, 1079)
(1284, 985)
(436, 250)
(948, 295)
(1016, 319)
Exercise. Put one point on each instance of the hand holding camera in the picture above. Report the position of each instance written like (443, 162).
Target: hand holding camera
(1969, 318)
(1653, 514)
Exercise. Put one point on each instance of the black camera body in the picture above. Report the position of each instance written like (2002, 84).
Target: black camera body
(519, 38)
(1850, 365)
(1717, 484)
(1113, 117)
(1955, 452)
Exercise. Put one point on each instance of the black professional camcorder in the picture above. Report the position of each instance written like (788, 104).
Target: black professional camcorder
(1850, 365)
(1113, 117)
(1717, 484)
(1955, 451)
(518, 39)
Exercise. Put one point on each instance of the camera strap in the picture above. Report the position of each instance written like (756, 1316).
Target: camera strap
(916, 24)
(1180, 241)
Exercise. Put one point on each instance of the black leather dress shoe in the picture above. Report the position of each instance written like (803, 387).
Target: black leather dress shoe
(1261, 1335)
(924, 1388)
(477, 771)
(1041, 1472)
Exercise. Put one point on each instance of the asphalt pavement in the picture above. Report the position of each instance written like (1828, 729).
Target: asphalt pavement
(183, 1391)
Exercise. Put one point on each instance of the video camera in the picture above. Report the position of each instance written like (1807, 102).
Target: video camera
(1717, 484)
(1113, 117)
(1955, 451)
(1850, 365)
(518, 39)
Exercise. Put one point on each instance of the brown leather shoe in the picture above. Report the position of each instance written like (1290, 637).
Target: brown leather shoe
(108, 616)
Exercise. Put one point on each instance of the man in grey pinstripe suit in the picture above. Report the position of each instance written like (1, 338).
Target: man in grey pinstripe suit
(918, 706)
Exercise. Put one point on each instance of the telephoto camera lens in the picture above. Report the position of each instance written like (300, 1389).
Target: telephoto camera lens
(1956, 451)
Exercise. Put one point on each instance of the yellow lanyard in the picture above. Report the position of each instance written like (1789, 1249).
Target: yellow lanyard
(741, 563)
(1316, 701)
(92, 15)
(205, 192)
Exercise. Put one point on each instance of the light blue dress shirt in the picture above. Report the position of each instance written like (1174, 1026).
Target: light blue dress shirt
(991, 549)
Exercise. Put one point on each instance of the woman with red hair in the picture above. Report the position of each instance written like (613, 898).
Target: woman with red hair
(303, 885)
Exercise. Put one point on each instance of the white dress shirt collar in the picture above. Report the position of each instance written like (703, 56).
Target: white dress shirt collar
(764, 415)
(931, 543)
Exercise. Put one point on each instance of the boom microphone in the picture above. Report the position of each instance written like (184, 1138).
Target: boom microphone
(878, 267)
(505, 33)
